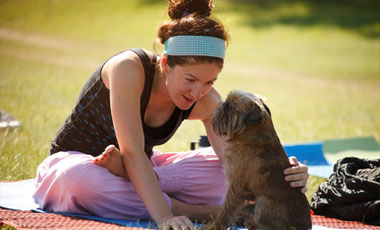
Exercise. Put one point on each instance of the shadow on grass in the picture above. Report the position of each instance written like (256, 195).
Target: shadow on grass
(361, 16)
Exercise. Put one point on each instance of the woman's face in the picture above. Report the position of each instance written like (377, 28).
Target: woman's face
(186, 84)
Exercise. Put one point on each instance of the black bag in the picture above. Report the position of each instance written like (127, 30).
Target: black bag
(352, 192)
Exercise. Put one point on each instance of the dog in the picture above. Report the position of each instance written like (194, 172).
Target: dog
(254, 163)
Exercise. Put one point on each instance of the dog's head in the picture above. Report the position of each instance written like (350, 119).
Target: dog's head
(241, 109)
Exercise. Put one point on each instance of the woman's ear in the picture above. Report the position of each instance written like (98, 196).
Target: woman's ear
(164, 63)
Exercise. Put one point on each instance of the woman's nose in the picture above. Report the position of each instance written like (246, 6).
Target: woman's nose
(196, 92)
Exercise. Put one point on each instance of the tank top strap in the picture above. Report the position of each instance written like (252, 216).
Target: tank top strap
(149, 68)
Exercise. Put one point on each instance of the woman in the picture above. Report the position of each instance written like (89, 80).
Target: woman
(137, 100)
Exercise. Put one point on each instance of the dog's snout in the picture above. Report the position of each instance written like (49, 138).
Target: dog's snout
(226, 107)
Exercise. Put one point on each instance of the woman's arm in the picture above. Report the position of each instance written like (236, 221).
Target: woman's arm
(204, 111)
(125, 77)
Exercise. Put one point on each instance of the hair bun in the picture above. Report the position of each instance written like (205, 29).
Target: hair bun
(181, 8)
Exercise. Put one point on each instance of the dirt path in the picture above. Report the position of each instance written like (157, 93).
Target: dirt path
(305, 79)
(51, 45)
(89, 63)
(37, 39)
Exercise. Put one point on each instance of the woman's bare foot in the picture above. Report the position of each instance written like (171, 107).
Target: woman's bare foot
(111, 160)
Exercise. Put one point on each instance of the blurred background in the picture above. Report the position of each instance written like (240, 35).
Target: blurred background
(317, 62)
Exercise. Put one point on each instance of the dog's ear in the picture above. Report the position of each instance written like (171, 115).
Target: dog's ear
(254, 116)
(266, 107)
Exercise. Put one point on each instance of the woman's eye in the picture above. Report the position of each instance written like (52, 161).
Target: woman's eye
(210, 83)
(190, 80)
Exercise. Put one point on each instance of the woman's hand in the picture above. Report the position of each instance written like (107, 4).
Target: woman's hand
(195, 212)
(297, 175)
(177, 223)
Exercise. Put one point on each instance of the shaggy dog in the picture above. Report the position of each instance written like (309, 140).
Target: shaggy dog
(254, 164)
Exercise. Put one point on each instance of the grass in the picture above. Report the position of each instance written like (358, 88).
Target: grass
(316, 62)
(6, 227)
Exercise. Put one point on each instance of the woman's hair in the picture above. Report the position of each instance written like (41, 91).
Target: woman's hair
(191, 17)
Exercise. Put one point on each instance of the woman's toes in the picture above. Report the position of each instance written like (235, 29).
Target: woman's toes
(110, 148)
(97, 159)
(107, 156)
(102, 158)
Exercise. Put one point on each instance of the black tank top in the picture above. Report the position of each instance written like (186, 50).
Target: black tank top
(89, 128)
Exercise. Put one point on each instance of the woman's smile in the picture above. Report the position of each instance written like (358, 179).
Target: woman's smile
(188, 100)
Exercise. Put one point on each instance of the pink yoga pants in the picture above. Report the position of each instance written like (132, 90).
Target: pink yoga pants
(70, 182)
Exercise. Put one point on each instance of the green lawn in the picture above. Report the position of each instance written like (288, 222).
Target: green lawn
(317, 62)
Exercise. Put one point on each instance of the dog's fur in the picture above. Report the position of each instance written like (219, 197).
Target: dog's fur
(254, 163)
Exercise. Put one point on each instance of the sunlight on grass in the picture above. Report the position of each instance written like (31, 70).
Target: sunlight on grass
(30, 93)
(313, 185)
(6, 227)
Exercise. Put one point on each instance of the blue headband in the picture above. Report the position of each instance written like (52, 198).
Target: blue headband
(192, 45)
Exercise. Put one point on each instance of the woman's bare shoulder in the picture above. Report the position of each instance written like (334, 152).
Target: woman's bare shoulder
(123, 67)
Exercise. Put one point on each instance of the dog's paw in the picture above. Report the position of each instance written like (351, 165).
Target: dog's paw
(246, 216)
